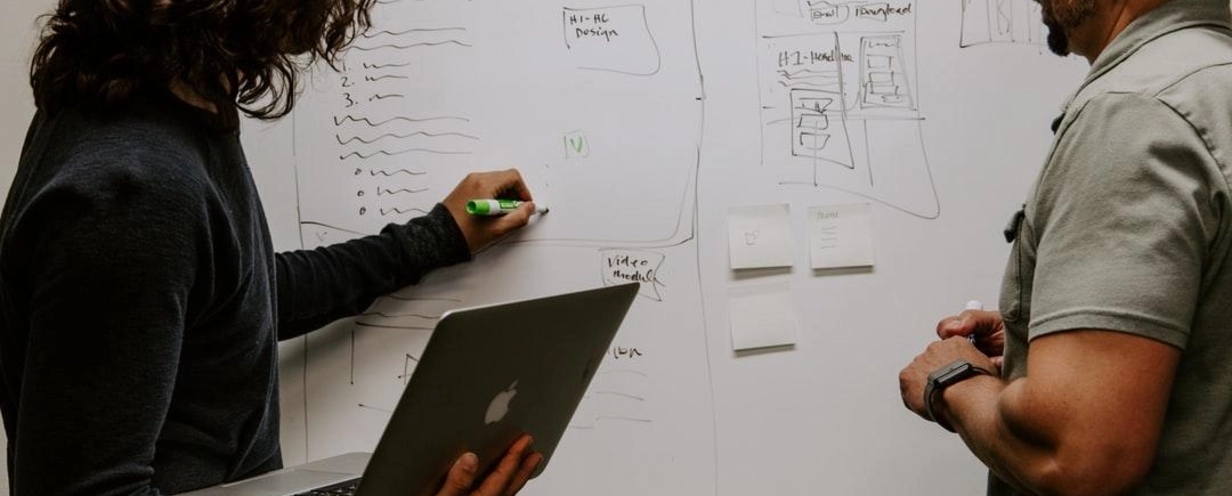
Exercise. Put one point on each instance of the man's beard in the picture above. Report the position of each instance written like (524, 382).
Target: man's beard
(1061, 16)
(1058, 41)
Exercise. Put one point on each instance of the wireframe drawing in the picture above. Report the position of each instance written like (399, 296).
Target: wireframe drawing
(839, 106)
(1002, 21)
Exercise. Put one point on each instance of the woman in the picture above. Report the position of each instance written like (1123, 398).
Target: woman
(142, 299)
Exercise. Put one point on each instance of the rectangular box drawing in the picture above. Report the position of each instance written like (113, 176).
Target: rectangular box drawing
(1002, 21)
(812, 135)
(837, 96)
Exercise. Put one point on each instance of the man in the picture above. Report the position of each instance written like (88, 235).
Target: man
(1115, 321)
(140, 298)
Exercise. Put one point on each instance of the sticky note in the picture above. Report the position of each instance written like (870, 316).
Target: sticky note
(760, 236)
(762, 316)
(840, 236)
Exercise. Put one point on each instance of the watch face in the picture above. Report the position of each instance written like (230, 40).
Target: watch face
(955, 370)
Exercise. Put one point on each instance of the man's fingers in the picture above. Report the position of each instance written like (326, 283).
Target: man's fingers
(499, 480)
(509, 183)
(461, 476)
(957, 325)
(949, 327)
(514, 220)
(519, 186)
(969, 322)
(524, 472)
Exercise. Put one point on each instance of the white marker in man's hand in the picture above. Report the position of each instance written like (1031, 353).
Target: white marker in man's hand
(973, 305)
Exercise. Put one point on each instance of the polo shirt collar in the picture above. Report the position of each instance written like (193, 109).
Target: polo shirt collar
(1172, 16)
(1169, 17)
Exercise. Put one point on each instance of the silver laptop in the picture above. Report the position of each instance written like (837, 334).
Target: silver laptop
(488, 375)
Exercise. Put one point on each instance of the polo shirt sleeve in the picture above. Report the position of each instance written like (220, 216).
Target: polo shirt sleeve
(1125, 214)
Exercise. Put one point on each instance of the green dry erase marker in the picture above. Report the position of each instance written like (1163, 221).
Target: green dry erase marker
(498, 207)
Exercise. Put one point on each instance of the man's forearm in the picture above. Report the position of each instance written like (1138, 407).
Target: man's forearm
(1087, 420)
(1034, 442)
(976, 409)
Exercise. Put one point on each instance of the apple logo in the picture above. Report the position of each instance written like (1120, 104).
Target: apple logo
(499, 406)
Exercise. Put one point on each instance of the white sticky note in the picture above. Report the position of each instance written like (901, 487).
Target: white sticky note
(760, 236)
(840, 236)
(762, 316)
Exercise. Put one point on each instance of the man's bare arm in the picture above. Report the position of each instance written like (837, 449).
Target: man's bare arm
(1085, 420)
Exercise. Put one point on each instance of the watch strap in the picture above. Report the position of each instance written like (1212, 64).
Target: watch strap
(944, 377)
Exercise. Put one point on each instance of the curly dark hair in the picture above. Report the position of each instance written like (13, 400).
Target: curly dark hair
(96, 55)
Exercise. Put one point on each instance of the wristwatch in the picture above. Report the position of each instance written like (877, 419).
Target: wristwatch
(944, 377)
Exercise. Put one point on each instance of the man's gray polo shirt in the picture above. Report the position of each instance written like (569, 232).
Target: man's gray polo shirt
(1127, 228)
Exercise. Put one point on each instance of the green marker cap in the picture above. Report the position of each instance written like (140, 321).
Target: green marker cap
(474, 207)
(491, 207)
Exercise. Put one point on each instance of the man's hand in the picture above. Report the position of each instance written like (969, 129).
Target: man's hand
(987, 327)
(483, 231)
(508, 478)
(913, 379)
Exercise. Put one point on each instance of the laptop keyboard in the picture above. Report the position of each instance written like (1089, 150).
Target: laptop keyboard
(344, 488)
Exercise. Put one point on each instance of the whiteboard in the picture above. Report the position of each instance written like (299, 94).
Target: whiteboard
(640, 125)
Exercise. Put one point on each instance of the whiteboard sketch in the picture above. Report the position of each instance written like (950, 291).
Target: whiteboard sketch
(1002, 21)
(591, 34)
(625, 266)
(838, 100)
(600, 107)
(438, 89)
